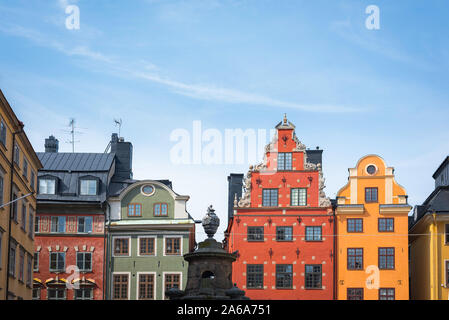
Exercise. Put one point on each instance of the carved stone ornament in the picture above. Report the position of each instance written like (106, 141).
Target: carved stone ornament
(245, 201)
(210, 222)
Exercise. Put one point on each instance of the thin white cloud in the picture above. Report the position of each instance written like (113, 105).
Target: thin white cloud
(196, 91)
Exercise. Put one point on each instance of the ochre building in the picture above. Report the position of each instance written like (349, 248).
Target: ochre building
(372, 234)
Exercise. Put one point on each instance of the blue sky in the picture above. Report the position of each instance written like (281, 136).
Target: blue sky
(161, 64)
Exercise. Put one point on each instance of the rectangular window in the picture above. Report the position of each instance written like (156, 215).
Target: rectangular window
(146, 246)
(354, 293)
(386, 294)
(84, 261)
(355, 259)
(386, 224)
(36, 225)
(313, 276)
(386, 258)
(56, 293)
(88, 187)
(32, 179)
(134, 210)
(447, 273)
(284, 233)
(298, 197)
(1, 246)
(120, 287)
(172, 281)
(17, 154)
(36, 262)
(146, 286)
(3, 132)
(172, 246)
(160, 209)
(84, 224)
(36, 293)
(270, 197)
(24, 216)
(255, 234)
(121, 246)
(12, 260)
(57, 261)
(1, 189)
(25, 168)
(370, 194)
(21, 265)
(29, 270)
(284, 276)
(313, 233)
(83, 294)
(355, 225)
(57, 224)
(284, 161)
(15, 205)
(254, 276)
(31, 223)
(47, 186)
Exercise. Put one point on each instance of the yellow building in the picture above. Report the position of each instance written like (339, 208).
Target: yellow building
(429, 242)
(18, 171)
(372, 234)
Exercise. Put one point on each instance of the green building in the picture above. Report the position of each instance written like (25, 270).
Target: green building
(149, 231)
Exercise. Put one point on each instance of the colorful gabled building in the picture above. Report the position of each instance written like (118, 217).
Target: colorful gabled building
(69, 252)
(149, 231)
(429, 242)
(281, 229)
(372, 234)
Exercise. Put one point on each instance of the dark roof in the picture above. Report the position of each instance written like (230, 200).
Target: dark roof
(442, 165)
(78, 162)
(438, 202)
(68, 168)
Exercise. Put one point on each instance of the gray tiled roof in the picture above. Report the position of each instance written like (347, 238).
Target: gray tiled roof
(80, 162)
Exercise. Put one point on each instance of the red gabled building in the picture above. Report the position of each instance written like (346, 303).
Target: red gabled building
(283, 225)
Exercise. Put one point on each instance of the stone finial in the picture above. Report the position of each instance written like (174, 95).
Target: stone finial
(285, 118)
(210, 222)
(236, 202)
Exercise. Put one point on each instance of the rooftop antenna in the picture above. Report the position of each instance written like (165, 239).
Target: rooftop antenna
(72, 132)
(119, 124)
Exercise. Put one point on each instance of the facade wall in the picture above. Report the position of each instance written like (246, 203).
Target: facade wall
(271, 252)
(370, 239)
(149, 224)
(71, 242)
(21, 235)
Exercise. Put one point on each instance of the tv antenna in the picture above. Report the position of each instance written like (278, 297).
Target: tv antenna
(72, 132)
(119, 124)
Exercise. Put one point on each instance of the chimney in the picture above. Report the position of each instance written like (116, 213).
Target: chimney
(123, 157)
(235, 186)
(51, 144)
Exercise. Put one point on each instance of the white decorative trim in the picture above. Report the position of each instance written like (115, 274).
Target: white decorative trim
(147, 194)
(38, 249)
(92, 248)
(49, 249)
(154, 283)
(180, 245)
(163, 281)
(57, 247)
(129, 283)
(84, 247)
(65, 249)
(129, 246)
(155, 246)
(371, 164)
(76, 248)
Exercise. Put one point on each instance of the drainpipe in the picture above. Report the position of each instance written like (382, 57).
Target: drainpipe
(335, 253)
(435, 257)
(107, 244)
(11, 206)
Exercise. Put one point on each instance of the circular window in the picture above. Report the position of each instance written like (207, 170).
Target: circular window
(371, 169)
(147, 190)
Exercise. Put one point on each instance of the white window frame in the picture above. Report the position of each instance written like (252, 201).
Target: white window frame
(59, 287)
(129, 284)
(154, 285)
(57, 270)
(91, 261)
(129, 246)
(163, 281)
(181, 245)
(88, 181)
(155, 246)
(78, 223)
(83, 288)
(46, 186)
(38, 254)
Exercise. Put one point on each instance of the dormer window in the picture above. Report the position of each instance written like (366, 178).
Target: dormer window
(47, 186)
(88, 187)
